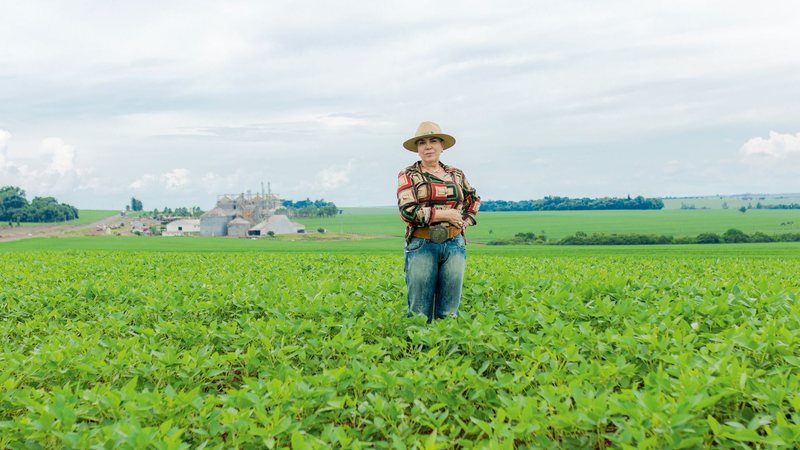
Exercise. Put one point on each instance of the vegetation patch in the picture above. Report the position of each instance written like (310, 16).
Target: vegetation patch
(556, 203)
(732, 236)
(238, 350)
(521, 239)
(15, 208)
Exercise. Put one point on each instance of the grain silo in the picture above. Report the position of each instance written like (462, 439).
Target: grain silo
(238, 227)
(234, 215)
(215, 222)
(227, 204)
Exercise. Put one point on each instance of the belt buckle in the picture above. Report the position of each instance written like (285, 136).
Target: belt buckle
(438, 233)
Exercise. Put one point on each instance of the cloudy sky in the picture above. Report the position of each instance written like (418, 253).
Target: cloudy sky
(176, 102)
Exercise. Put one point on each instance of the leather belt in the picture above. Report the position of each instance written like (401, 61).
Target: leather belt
(425, 232)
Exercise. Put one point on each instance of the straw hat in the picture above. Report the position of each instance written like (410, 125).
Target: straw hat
(429, 129)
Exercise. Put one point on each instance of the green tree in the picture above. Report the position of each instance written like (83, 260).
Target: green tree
(759, 236)
(136, 205)
(733, 236)
(15, 207)
(13, 200)
(329, 210)
(308, 211)
(708, 238)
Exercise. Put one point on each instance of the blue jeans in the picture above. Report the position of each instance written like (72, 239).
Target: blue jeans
(434, 274)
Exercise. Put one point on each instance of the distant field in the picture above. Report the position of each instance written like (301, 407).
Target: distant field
(732, 202)
(558, 224)
(85, 216)
(373, 221)
(384, 230)
(380, 246)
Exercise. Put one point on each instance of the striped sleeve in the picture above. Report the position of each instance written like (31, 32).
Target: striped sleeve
(411, 211)
(471, 200)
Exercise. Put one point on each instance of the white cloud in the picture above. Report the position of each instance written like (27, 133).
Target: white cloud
(214, 183)
(335, 176)
(63, 159)
(46, 169)
(175, 179)
(145, 181)
(5, 136)
(271, 87)
(672, 167)
(333, 121)
(777, 147)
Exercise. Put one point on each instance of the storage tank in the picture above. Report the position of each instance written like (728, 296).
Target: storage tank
(215, 222)
(238, 227)
(227, 204)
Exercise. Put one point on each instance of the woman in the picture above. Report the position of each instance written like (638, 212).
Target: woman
(437, 204)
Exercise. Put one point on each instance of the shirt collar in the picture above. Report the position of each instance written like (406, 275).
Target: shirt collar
(418, 167)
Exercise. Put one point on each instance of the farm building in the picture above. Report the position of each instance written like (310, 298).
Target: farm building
(278, 224)
(182, 227)
(238, 227)
(137, 226)
(234, 215)
(215, 222)
(253, 208)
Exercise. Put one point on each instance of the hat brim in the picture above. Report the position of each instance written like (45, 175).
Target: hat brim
(447, 141)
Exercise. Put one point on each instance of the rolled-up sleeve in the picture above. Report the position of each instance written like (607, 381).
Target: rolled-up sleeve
(472, 202)
(411, 211)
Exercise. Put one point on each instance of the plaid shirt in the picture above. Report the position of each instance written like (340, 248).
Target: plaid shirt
(420, 195)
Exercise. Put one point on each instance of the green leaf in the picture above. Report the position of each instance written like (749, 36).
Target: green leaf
(744, 435)
(793, 360)
(714, 425)
(299, 441)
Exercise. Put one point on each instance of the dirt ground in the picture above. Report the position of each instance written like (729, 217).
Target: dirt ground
(53, 229)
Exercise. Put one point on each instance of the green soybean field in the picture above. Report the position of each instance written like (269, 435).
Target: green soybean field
(166, 350)
(559, 224)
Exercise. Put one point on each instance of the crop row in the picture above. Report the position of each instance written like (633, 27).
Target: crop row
(159, 350)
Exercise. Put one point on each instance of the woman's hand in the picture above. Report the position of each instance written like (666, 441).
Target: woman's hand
(452, 216)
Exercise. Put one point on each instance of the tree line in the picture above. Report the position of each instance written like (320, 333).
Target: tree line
(555, 203)
(181, 211)
(732, 236)
(779, 206)
(14, 207)
(308, 208)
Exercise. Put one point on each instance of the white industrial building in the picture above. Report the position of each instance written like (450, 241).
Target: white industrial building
(238, 227)
(183, 227)
(215, 222)
(278, 224)
(231, 212)
(246, 215)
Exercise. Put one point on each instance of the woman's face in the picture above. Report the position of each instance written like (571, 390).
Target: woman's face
(429, 149)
